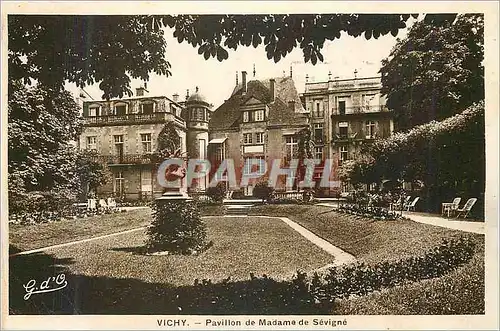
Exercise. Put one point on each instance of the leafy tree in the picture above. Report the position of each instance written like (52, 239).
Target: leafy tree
(168, 141)
(436, 71)
(447, 156)
(91, 173)
(52, 49)
(41, 126)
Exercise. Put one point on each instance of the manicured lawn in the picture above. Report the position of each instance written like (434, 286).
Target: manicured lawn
(241, 246)
(109, 276)
(459, 292)
(369, 241)
(27, 237)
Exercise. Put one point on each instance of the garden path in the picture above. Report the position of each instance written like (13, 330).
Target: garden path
(340, 257)
(450, 223)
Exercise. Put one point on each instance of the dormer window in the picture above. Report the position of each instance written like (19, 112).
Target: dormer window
(94, 110)
(120, 109)
(259, 115)
(147, 107)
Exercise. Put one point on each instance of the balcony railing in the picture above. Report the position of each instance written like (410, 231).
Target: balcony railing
(126, 159)
(359, 110)
(133, 119)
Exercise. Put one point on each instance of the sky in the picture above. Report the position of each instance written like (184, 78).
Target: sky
(216, 80)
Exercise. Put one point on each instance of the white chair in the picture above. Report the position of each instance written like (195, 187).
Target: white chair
(411, 206)
(103, 204)
(91, 204)
(450, 207)
(112, 204)
(466, 208)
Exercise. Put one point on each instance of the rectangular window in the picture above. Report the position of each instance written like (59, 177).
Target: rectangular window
(118, 145)
(147, 108)
(291, 147)
(92, 142)
(259, 115)
(247, 138)
(146, 142)
(246, 117)
(259, 138)
(343, 154)
(199, 114)
(370, 129)
(249, 167)
(342, 107)
(146, 180)
(118, 186)
(219, 152)
(319, 110)
(318, 153)
(318, 132)
(120, 109)
(93, 111)
(343, 130)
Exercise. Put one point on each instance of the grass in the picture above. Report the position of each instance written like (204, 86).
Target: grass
(267, 246)
(369, 241)
(114, 279)
(28, 237)
(459, 292)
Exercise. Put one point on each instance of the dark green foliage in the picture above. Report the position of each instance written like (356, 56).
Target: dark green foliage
(108, 50)
(436, 71)
(263, 191)
(362, 279)
(177, 228)
(448, 157)
(41, 125)
(91, 172)
(260, 295)
(314, 295)
(217, 193)
(85, 50)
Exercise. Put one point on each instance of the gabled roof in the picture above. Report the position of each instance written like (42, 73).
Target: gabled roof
(227, 115)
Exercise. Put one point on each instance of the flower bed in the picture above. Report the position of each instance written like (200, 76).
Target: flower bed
(378, 213)
(303, 295)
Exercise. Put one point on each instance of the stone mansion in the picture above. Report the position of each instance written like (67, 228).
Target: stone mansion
(259, 120)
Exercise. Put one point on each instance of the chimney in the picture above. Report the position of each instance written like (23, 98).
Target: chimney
(272, 81)
(140, 91)
(244, 81)
(291, 105)
(236, 78)
(187, 94)
(175, 97)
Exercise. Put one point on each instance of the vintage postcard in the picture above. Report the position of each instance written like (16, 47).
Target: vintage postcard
(249, 165)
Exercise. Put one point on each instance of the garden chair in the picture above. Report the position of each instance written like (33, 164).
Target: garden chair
(112, 204)
(466, 208)
(91, 204)
(450, 207)
(411, 206)
(103, 205)
(406, 202)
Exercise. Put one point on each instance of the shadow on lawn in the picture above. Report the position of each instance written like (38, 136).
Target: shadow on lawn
(104, 295)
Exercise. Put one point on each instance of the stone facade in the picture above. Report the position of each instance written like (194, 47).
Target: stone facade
(346, 114)
(124, 132)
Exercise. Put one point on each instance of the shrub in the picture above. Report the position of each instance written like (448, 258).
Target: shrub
(260, 295)
(360, 279)
(263, 191)
(218, 192)
(177, 228)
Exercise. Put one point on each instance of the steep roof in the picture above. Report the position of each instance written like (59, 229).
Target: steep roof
(227, 115)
